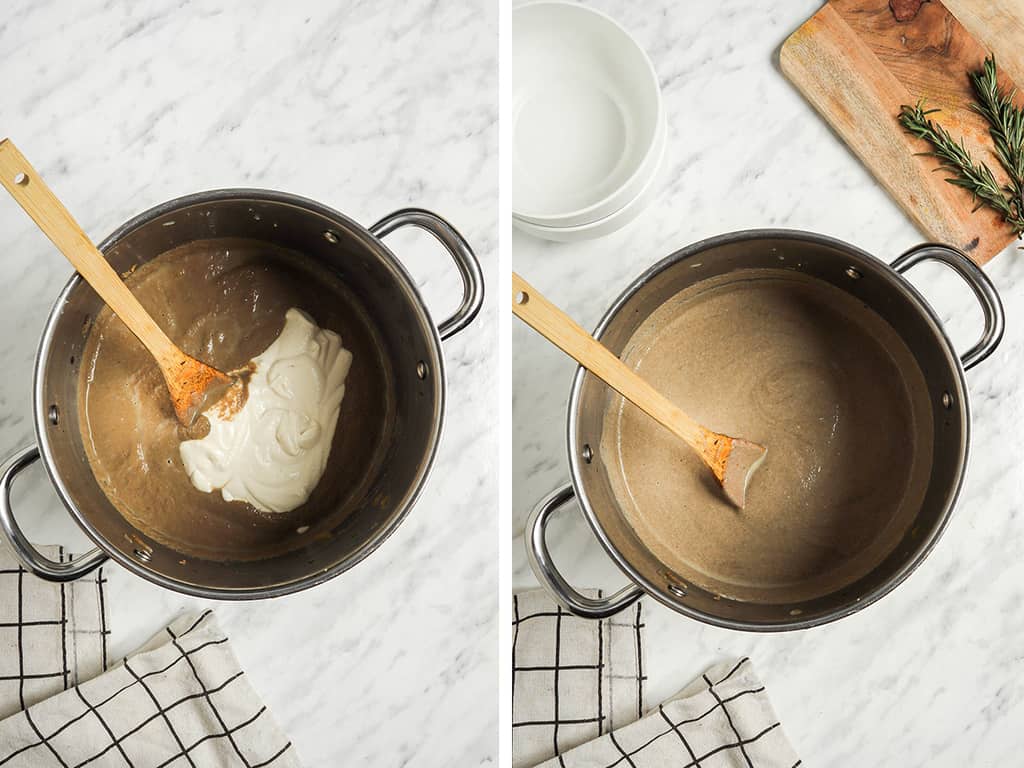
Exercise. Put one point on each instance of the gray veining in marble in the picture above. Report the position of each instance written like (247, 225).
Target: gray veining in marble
(934, 673)
(367, 107)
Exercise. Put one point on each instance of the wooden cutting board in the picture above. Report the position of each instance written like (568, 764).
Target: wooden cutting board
(857, 64)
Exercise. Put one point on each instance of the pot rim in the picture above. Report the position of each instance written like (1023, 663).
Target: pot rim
(380, 535)
(905, 569)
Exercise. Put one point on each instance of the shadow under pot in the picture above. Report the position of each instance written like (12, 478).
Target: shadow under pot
(820, 351)
(343, 271)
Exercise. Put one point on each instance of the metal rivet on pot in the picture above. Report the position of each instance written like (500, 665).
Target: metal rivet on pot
(330, 237)
(947, 400)
(852, 273)
(143, 554)
(675, 584)
(53, 414)
(422, 370)
(588, 455)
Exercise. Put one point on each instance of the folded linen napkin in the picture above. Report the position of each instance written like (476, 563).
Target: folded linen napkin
(181, 700)
(572, 679)
(723, 719)
(52, 636)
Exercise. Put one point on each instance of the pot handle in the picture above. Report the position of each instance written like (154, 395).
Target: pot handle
(456, 245)
(979, 282)
(29, 556)
(540, 561)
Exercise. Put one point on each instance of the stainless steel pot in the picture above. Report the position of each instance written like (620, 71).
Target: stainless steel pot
(410, 341)
(879, 286)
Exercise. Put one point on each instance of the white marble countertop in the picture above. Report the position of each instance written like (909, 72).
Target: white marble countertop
(367, 107)
(933, 673)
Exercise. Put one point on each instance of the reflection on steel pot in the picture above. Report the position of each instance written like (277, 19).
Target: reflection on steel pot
(875, 285)
(408, 338)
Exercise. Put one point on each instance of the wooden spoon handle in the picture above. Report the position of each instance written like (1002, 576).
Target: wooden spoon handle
(562, 331)
(30, 191)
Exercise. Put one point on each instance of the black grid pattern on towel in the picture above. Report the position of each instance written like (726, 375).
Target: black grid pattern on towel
(100, 580)
(46, 629)
(138, 688)
(586, 656)
(643, 745)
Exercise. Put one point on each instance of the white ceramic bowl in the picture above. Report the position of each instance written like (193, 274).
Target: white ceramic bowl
(610, 223)
(586, 108)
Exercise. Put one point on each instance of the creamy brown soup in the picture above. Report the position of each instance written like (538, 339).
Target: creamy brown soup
(223, 301)
(826, 384)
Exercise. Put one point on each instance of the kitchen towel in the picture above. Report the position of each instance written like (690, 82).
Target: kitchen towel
(181, 700)
(723, 719)
(52, 636)
(572, 679)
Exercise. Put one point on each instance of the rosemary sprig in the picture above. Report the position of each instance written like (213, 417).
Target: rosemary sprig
(955, 158)
(1006, 126)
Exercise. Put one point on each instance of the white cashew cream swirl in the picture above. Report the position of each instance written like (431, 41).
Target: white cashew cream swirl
(273, 451)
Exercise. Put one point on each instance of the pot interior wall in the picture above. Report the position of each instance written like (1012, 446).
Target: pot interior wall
(873, 283)
(398, 321)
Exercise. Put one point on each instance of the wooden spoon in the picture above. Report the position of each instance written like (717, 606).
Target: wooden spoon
(731, 459)
(193, 385)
